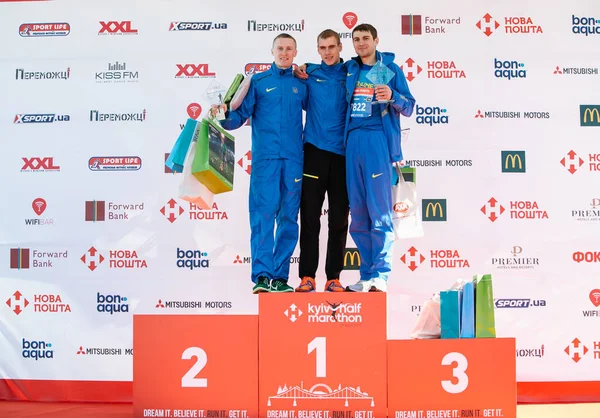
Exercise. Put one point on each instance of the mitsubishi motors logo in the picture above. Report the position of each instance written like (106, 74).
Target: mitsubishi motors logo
(411, 69)
(293, 312)
(172, 210)
(576, 350)
(572, 162)
(412, 258)
(479, 114)
(92, 258)
(492, 209)
(81, 350)
(160, 304)
(557, 70)
(246, 162)
(487, 24)
(16, 302)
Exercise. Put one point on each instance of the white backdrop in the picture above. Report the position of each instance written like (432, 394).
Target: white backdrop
(458, 157)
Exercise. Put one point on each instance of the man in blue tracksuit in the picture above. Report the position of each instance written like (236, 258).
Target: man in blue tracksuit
(275, 101)
(372, 146)
(324, 166)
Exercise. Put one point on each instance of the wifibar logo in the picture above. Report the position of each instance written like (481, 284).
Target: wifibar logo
(39, 206)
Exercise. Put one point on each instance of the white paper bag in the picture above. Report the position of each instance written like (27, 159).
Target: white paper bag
(190, 189)
(405, 209)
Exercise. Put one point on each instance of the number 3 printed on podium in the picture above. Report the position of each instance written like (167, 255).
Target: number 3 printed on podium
(189, 380)
(458, 372)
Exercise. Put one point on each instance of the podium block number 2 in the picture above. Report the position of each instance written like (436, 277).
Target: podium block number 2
(458, 372)
(189, 380)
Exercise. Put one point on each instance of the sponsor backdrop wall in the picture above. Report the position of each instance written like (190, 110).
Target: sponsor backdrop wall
(505, 138)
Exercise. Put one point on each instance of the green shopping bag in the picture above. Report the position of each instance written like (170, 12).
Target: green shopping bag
(485, 323)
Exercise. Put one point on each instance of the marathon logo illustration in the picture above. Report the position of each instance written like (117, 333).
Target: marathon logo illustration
(97, 116)
(519, 209)
(212, 214)
(519, 303)
(511, 114)
(95, 210)
(117, 73)
(572, 162)
(517, 262)
(115, 163)
(104, 351)
(594, 297)
(439, 259)
(513, 25)
(585, 25)
(117, 28)
(575, 70)
(254, 26)
(36, 350)
(432, 115)
(417, 24)
(192, 304)
(194, 71)
(117, 259)
(192, 259)
(26, 258)
(39, 206)
(509, 69)
(204, 26)
(42, 303)
(435, 70)
(21, 74)
(33, 30)
(111, 304)
(40, 118)
(588, 214)
(330, 312)
(350, 19)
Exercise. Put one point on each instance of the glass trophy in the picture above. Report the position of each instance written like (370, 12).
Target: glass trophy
(380, 75)
(215, 94)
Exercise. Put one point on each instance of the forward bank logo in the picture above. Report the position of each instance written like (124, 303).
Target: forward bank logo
(351, 259)
(513, 161)
(328, 312)
(434, 210)
(589, 115)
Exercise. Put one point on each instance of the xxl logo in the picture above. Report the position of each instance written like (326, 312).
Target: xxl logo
(19, 258)
(513, 161)
(193, 71)
(17, 302)
(431, 115)
(117, 28)
(351, 259)
(41, 118)
(39, 164)
(589, 115)
(585, 25)
(29, 30)
(434, 210)
(37, 349)
(172, 210)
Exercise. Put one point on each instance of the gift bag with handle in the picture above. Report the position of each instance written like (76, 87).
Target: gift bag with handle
(450, 313)
(176, 158)
(485, 324)
(467, 314)
(190, 189)
(406, 216)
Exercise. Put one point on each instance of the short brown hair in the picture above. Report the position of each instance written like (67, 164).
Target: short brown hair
(285, 36)
(328, 33)
(365, 27)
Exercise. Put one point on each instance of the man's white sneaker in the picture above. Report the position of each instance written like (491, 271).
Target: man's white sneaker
(360, 286)
(378, 285)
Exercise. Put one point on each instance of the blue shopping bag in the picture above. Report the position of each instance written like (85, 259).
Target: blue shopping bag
(177, 156)
(450, 313)
(467, 314)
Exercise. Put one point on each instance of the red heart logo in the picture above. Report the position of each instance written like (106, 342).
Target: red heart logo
(595, 297)
(194, 110)
(350, 19)
(39, 206)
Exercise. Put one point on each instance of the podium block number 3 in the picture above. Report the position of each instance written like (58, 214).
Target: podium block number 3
(458, 372)
(189, 380)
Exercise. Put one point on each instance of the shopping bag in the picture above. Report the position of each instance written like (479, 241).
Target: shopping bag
(177, 156)
(240, 94)
(190, 189)
(214, 159)
(428, 323)
(450, 313)
(406, 216)
(485, 324)
(467, 312)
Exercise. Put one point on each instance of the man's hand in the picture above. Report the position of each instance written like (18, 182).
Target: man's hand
(215, 109)
(300, 72)
(383, 92)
